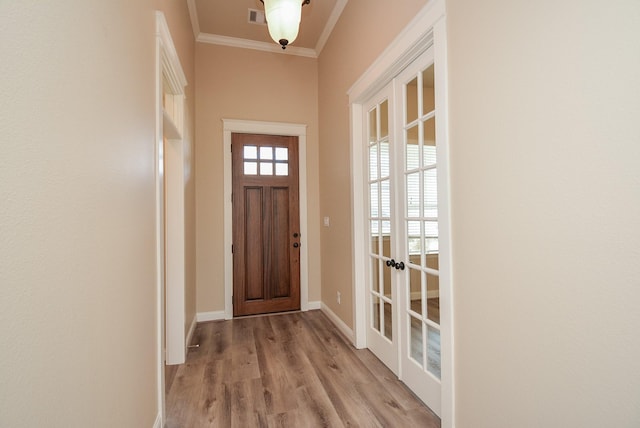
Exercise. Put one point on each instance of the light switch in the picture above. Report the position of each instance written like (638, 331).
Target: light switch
(326, 222)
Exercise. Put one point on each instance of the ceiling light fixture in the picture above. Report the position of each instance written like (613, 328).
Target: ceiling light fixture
(283, 19)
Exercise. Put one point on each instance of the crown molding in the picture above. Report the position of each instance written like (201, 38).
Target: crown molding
(216, 39)
(331, 23)
(235, 42)
(193, 14)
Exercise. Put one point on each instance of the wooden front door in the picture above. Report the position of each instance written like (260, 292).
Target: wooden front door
(266, 224)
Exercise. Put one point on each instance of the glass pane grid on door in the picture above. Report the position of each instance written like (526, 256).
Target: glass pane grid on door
(379, 169)
(422, 316)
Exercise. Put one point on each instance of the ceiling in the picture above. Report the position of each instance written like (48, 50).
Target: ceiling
(226, 22)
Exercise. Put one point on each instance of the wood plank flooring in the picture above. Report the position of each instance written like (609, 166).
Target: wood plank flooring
(288, 370)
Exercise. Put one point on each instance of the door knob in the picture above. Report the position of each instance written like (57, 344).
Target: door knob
(400, 265)
(296, 245)
(296, 234)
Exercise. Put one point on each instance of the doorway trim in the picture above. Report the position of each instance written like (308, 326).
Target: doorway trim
(268, 128)
(169, 125)
(427, 29)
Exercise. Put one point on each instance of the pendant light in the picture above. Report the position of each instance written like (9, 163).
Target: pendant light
(283, 19)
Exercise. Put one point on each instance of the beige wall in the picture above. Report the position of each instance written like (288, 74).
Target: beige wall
(546, 201)
(246, 84)
(362, 33)
(179, 23)
(77, 236)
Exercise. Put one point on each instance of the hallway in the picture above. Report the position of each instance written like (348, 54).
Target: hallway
(289, 370)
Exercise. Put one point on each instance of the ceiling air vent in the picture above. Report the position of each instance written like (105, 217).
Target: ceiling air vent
(257, 17)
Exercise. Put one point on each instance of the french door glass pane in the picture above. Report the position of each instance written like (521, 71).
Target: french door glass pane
(386, 235)
(412, 149)
(433, 302)
(413, 195)
(431, 229)
(388, 321)
(384, 159)
(375, 233)
(373, 162)
(412, 100)
(373, 126)
(430, 193)
(384, 119)
(373, 200)
(375, 312)
(428, 96)
(414, 241)
(385, 199)
(429, 150)
(416, 340)
(415, 290)
(433, 351)
(375, 273)
(386, 277)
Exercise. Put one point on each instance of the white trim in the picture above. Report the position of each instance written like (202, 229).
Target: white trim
(236, 42)
(426, 28)
(217, 39)
(344, 329)
(193, 15)
(159, 235)
(169, 70)
(406, 47)
(192, 329)
(210, 316)
(170, 62)
(359, 255)
(315, 305)
(268, 128)
(175, 266)
(444, 224)
(331, 23)
(158, 421)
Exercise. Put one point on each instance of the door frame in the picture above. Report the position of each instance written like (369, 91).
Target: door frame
(170, 289)
(427, 29)
(231, 126)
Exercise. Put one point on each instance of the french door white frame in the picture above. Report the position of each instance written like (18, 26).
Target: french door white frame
(266, 128)
(427, 29)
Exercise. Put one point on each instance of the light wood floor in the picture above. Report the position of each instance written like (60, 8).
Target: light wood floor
(289, 370)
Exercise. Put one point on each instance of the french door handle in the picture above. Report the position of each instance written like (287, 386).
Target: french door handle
(391, 263)
(400, 265)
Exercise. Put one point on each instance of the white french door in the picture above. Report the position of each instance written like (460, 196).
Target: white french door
(404, 288)
(382, 333)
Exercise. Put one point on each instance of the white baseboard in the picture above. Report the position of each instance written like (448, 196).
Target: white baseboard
(192, 328)
(314, 305)
(158, 422)
(337, 322)
(210, 316)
